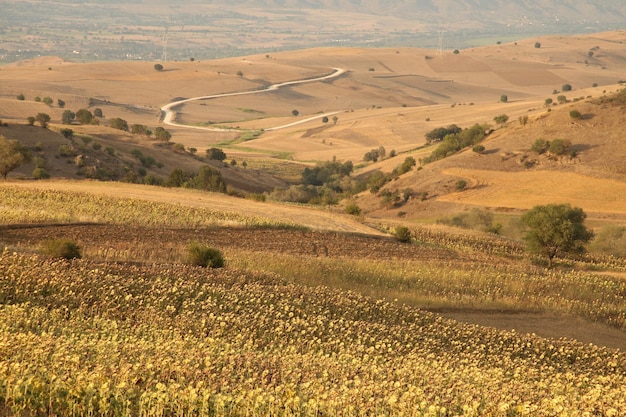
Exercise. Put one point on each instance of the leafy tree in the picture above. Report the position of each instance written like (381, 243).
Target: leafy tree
(371, 155)
(177, 178)
(537, 45)
(60, 103)
(439, 133)
(43, 119)
(555, 228)
(158, 67)
(118, 123)
(566, 87)
(97, 112)
(48, 101)
(162, 134)
(67, 133)
(548, 101)
(501, 119)
(38, 99)
(21, 97)
(12, 155)
(67, 117)
(504, 98)
(295, 112)
(209, 179)
(326, 172)
(325, 119)
(561, 99)
(216, 154)
(138, 129)
(31, 120)
(84, 116)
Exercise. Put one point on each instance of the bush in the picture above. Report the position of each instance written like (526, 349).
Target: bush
(460, 185)
(403, 234)
(575, 114)
(353, 209)
(204, 256)
(40, 173)
(62, 248)
(540, 146)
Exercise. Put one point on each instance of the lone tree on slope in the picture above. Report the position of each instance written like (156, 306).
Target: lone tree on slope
(554, 229)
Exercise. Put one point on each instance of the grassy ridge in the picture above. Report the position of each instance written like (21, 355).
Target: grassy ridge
(81, 339)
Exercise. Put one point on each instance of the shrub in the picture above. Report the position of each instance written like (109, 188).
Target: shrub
(40, 173)
(478, 149)
(62, 248)
(204, 256)
(575, 114)
(460, 185)
(540, 146)
(353, 209)
(403, 234)
(566, 87)
(558, 146)
(504, 98)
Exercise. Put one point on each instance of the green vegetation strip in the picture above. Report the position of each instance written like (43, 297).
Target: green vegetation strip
(79, 339)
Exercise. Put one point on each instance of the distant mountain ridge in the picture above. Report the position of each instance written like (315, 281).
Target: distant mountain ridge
(591, 11)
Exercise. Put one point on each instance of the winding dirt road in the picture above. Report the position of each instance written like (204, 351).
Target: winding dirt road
(170, 114)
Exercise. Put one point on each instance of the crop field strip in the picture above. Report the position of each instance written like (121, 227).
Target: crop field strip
(83, 338)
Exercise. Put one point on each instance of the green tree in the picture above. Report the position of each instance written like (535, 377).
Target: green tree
(504, 98)
(67, 117)
(60, 103)
(97, 112)
(21, 97)
(295, 112)
(158, 67)
(84, 116)
(537, 45)
(209, 179)
(43, 119)
(216, 154)
(162, 134)
(31, 120)
(12, 155)
(120, 124)
(48, 101)
(566, 87)
(554, 229)
(138, 129)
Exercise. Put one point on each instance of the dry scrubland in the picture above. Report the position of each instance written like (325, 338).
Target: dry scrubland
(316, 312)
